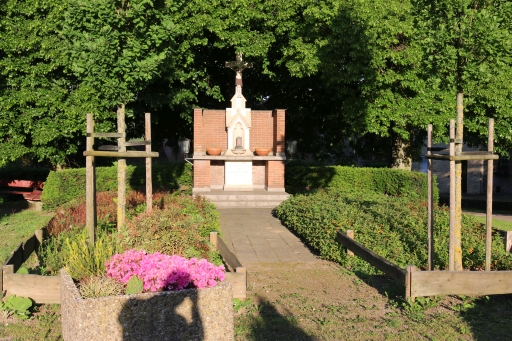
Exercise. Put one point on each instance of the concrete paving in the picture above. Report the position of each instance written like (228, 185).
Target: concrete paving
(255, 236)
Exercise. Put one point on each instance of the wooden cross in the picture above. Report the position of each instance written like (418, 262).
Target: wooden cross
(238, 66)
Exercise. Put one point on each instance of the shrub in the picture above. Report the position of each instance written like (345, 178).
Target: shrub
(72, 214)
(393, 227)
(82, 259)
(387, 181)
(65, 185)
(180, 226)
(72, 250)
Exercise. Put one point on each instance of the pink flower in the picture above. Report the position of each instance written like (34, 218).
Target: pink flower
(159, 271)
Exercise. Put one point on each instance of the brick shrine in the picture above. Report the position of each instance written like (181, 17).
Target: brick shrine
(267, 131)
(238, 131)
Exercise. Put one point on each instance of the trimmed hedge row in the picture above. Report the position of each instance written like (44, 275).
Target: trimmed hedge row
(65, 185)
(393, 227)
(380, 180)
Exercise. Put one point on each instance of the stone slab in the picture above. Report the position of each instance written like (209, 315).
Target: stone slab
(238, 173)
(256, 237)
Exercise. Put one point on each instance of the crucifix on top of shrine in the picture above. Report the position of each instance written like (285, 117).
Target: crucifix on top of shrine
(238, 117)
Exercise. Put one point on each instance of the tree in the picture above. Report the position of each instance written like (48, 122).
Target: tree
(35, 85)
(117, 48)
(368, 52)
(468, 47)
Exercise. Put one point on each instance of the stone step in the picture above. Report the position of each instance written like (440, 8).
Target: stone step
(253, 199)
(245, 197)
(251, 204)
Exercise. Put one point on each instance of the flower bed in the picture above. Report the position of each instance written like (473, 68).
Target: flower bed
(163, 272)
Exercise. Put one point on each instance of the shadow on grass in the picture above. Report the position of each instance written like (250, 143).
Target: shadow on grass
(12, 206)
(488, 316)
(269, 324)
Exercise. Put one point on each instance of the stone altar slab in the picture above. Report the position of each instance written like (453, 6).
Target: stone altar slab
(238, 176)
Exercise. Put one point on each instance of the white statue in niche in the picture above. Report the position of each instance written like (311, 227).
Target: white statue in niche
(238, 134)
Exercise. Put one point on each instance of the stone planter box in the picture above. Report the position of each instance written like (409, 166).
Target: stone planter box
(192, 314)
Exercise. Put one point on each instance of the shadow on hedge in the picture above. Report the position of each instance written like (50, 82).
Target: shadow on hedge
(164, 176)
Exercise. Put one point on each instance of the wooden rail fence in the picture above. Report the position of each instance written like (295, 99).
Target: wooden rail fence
(432, 283)
(41, 289)
(238, 278)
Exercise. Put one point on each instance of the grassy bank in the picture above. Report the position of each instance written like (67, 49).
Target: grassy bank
(16, 226)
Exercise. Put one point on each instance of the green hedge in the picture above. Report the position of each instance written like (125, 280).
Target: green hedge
(393, 227)
(66, 185)
(380, 180)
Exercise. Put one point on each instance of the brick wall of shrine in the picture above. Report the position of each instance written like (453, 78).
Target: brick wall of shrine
(267, 131)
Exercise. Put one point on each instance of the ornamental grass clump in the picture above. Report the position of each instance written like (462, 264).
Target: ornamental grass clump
(161, 272)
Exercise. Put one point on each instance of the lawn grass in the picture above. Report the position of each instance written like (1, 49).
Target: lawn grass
(16, 226)
(294, 302)
(496, 223)
(43, 326)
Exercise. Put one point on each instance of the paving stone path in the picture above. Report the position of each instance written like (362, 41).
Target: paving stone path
(256, 236)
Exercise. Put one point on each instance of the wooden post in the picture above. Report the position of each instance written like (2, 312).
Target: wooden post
(430, 201)
(408, 281)
(121, 169)
(452, 196)
(350, 234)
(457, 226)
(6, 269)
(213, 238)
(488, 239)
(508, 241)
(39, 235)
(90, 187)
(149, 182)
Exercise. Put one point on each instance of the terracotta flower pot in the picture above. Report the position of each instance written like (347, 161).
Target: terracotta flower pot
(214, 151)
(262, 151)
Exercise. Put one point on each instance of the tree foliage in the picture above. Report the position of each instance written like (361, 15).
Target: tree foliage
(34, 83)
(362, 74)
(468, 49)
(116, 48)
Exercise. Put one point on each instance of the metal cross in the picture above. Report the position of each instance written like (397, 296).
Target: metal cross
(238, 66)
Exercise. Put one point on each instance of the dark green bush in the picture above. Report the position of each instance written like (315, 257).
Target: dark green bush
(66, 185)
(380, 180)
(393, 227)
